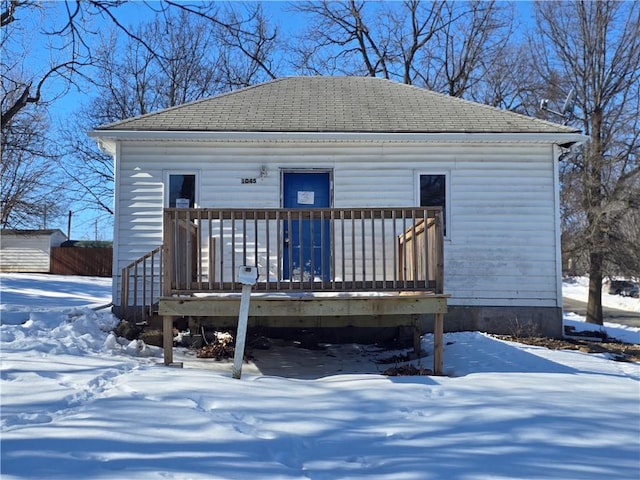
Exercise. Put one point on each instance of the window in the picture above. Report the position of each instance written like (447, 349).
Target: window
(433, 193)
(182, 186)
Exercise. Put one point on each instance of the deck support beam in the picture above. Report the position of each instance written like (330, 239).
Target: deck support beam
(344, 305)
(438, 333)
(167, 342)
(167, 339)
(417, 335)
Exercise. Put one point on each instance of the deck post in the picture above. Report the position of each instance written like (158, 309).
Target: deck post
(124, 293)
(168, 252)
(438, 328)
(439, 249)
(167, 339)
(415, 325)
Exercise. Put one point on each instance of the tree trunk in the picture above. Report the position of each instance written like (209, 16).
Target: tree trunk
(594, 204)
(594, 305)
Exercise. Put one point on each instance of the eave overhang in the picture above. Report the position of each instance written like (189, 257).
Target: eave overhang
(108, 138)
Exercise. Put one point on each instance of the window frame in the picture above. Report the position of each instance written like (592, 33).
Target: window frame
(166, 185)
(447, 196)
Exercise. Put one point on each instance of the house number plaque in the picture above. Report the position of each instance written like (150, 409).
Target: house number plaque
(249, 180)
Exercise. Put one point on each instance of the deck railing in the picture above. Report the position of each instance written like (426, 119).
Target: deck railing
(141, 285)
(364, 250)
(329, 249)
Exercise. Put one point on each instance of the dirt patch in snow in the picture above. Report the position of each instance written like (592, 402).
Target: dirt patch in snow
(621, 352)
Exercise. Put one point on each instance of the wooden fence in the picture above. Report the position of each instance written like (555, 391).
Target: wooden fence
(90, 261)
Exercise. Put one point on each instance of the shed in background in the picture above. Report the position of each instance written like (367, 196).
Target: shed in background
(28, 251)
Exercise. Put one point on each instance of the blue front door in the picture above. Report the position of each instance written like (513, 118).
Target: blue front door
(306, 243)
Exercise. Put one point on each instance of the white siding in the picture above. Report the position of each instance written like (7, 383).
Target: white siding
(28, 253)
(501, 245)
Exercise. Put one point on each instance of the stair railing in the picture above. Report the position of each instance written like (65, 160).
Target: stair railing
(141, 285)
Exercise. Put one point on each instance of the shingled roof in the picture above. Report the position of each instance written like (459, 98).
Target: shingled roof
(335, 104)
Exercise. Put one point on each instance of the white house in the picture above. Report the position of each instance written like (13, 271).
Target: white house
(28, 251)
(358, 143)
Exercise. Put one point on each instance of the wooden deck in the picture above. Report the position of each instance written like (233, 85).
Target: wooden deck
(325, 268)
(399, 310)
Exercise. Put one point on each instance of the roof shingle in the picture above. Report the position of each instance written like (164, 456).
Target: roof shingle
(336, 104)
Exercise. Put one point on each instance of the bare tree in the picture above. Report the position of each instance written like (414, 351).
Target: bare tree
(29, 181)
(89, 170)
(190, 51)
(356, 37)
(32, 80)
(248, 40)
(506, 81)
(625, 242)
(594, 47)
(473, 36)
(445, 46)
(178, 63)
(248, 55)
(67, 27)
(186, 57)
(342, 38)
(410, 37)
(30, 184)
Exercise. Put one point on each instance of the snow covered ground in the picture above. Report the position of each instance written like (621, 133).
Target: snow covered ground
(79, 404)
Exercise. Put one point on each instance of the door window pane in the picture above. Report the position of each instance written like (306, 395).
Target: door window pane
(433, 194)
(183, 187)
